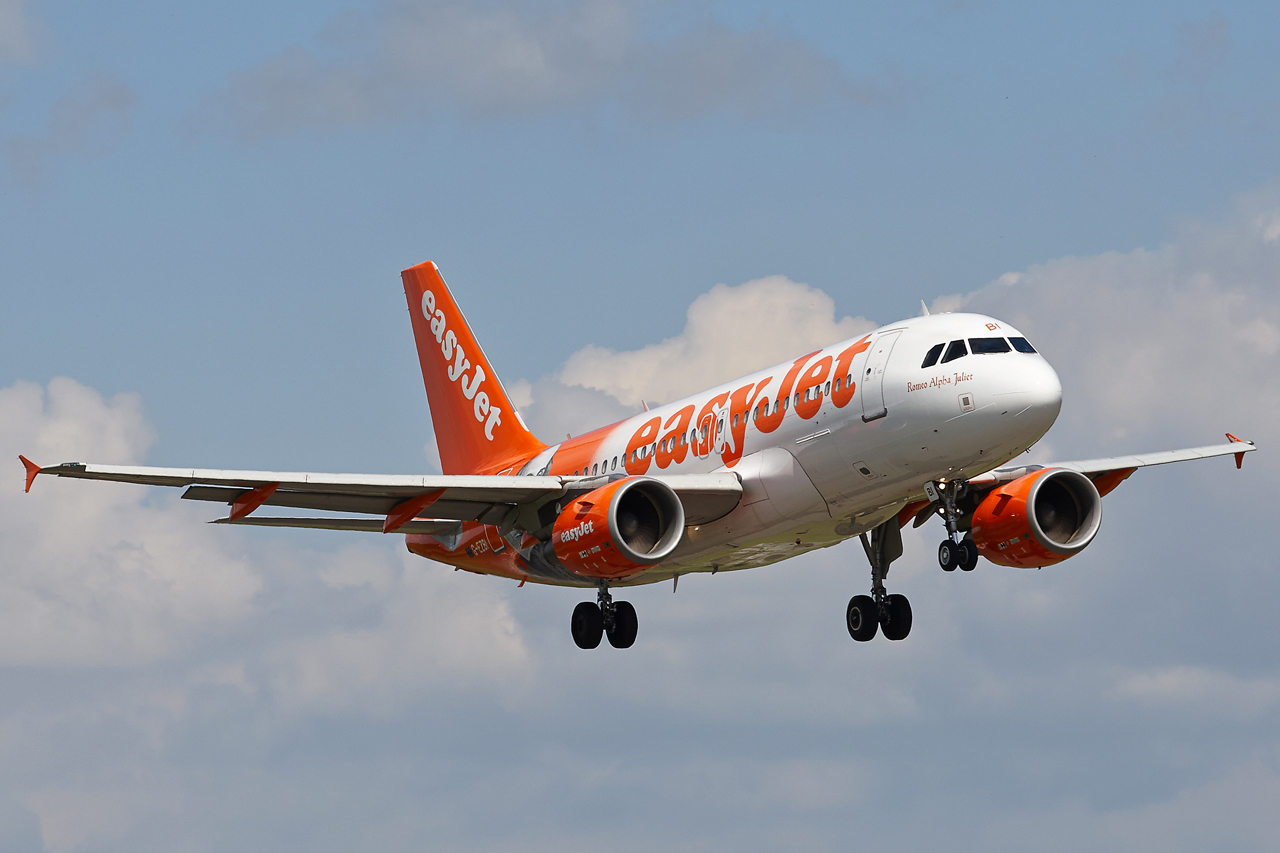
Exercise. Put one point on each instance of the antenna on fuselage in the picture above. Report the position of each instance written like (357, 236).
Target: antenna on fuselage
(924, 309)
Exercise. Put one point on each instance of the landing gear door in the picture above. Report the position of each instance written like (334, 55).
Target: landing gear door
(872, 385)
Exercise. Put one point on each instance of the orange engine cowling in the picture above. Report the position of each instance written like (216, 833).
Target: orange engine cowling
(1038, 519)
(618, 529)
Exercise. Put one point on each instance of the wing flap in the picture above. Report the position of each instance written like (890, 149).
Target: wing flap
(343, 502)
(435, 527)
(478, 488)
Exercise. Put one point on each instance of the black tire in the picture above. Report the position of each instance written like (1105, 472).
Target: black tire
(587, 625)
(896, 623)
(948, 555)
(625, 626)
(862, 618)
(968, 554)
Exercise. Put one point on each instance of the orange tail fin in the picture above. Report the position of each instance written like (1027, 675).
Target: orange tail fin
(478, 431)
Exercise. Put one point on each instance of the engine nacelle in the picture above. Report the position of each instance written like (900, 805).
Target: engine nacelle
(618, 529)
(1038, 519)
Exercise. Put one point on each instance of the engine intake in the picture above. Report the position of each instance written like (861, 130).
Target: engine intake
(1038, 519)
(618, 529)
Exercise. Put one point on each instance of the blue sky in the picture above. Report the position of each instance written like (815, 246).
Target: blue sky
(205, 210)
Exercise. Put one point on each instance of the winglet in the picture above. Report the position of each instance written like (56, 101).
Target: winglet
(32, 470)
(1239, 456)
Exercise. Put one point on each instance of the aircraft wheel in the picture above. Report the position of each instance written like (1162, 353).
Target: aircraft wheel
(587, 625)
(896, 622)
(948, 555)
(862, 618)
(625, 625)
(967, 555)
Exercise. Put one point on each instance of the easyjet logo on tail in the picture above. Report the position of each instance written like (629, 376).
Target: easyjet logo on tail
(490, 416)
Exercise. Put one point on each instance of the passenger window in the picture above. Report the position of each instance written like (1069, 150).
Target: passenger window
(837, 384)
(615, 464)
(684, 439)
(931, 357)
(797, 398)
(735, 420)
(827, 389)
(785, 400)
(595, 469)
(954, 351)
(987, 346)
(1021, 345)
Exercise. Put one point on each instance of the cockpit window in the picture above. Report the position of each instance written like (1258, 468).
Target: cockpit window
(1021, 345)
(954, 351)
(931, 357)
(986, 346)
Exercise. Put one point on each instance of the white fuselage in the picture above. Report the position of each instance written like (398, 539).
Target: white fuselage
(833, 468)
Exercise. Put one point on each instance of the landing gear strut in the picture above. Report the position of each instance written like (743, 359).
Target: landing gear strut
(953, 552)
(880, 610)
(616, 620)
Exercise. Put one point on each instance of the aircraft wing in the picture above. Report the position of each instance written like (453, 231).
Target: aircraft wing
(1117, 468)
(497, 500)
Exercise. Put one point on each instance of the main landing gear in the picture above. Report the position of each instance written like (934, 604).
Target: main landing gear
(880, 611)
(617, 621)
(954, 552)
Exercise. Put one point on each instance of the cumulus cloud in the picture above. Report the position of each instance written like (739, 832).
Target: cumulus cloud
(432, 629)
(1182, 340)
(729, 331)
(95, 574)
(518, 58)
(93, 117)
(1119, 701)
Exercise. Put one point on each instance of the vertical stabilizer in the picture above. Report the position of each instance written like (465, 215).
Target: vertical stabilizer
(477, 429)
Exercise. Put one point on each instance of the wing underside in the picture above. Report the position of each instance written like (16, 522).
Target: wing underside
(401, 500)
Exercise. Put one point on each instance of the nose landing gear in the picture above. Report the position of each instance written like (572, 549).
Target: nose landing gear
(891, 614)
(953, 552)
(617, 621)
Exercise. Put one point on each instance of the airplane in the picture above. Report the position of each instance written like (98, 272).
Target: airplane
(916, 419)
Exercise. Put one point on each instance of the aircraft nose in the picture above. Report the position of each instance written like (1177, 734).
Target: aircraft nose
(1042, 395)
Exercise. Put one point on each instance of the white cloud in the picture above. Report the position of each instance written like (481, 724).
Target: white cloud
(369, 697)
(1233, 812)
(94, 573)
(1179, 341)
(729, 332)
(434, 629)
(1202, 691)
(516, 57)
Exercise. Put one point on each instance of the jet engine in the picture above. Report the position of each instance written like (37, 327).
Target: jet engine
(1038, 519)
(618, 529)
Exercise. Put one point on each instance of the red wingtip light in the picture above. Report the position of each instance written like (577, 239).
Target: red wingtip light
(32, 470)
